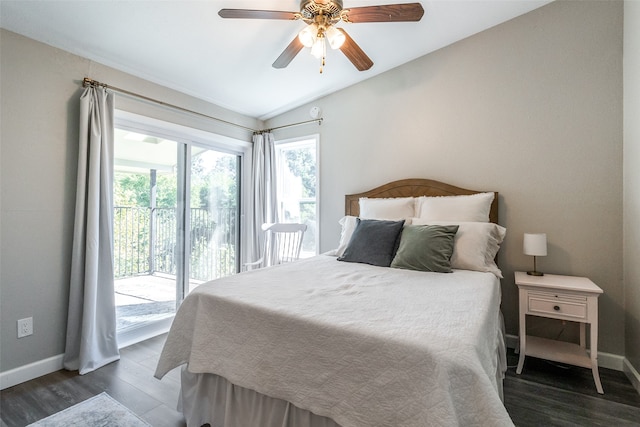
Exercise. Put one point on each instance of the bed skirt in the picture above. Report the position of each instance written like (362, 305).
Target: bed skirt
(211, 399)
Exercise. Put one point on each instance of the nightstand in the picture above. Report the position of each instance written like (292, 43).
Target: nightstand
(560, 297)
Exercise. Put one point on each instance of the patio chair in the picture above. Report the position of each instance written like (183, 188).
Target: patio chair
(282, 243)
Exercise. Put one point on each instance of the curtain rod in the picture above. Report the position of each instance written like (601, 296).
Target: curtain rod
(90, 82)
(318, 120)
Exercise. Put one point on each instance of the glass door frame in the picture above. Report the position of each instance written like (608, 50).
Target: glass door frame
(186, 137)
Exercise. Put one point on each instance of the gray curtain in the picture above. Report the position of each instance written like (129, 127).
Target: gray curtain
(264, 207)
(91, 322)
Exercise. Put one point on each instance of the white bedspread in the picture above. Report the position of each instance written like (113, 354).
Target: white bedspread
(363, 345)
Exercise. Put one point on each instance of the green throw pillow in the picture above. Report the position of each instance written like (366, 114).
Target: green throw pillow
(426, 248)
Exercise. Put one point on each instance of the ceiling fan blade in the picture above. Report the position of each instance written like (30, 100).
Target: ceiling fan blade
(386, 13)
(354, 53)
(288, 54)
(257, 14)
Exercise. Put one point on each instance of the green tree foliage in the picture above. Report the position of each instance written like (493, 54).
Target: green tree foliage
(214, 181)
(132, 189)
(213, 216)
(302, 163)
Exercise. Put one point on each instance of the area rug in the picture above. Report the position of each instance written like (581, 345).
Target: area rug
(99, 411)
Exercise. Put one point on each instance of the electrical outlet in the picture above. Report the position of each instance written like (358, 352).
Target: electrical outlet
(25, 327)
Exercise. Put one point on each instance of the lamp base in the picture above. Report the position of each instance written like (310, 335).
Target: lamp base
(535, 273)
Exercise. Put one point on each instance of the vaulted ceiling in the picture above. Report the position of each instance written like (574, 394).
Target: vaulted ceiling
(185, 45)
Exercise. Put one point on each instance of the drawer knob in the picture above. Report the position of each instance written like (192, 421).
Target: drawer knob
(556, 308)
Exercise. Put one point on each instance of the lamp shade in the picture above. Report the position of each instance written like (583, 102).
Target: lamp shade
(535, 244)
(336, 37)
(318, 49)
(308, 35)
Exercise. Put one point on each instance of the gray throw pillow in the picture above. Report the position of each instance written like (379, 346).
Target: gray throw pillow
(426, 248)
(373, 242)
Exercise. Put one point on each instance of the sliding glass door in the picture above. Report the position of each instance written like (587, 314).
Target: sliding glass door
(213, 215)
(176, 222)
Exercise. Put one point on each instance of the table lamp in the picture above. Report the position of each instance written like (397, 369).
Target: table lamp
(535, 244)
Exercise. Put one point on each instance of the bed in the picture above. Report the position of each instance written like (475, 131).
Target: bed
(325, 343)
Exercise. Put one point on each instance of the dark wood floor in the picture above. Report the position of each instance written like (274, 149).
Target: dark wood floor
(545, 394)
(551, 394)
(129, 380)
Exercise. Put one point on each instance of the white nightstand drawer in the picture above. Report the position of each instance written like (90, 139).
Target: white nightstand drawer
(557, 305)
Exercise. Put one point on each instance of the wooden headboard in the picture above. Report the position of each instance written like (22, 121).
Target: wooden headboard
(415, 187)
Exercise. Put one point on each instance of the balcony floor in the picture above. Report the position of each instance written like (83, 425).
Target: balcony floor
(146, 298)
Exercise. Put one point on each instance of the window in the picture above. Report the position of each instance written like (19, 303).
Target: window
(176, 217)
(297, 179)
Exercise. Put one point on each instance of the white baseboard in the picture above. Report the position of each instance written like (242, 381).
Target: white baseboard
(632, 374)
(32, 370)
(610, 361)
(512, 341)
(46, 366)
(605, 360)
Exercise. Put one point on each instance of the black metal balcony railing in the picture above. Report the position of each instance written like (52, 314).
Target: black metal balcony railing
(145, 242)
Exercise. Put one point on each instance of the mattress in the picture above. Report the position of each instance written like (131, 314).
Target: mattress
(358, 344)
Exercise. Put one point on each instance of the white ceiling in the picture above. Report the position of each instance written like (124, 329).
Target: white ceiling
(186, 46)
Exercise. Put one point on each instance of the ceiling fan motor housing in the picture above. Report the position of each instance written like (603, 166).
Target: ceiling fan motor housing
(311, 8)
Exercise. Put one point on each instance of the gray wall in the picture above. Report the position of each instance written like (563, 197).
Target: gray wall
(632, 180)
(532, 109)
(39, 114)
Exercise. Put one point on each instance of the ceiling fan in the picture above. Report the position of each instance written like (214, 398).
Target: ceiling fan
(321, 17)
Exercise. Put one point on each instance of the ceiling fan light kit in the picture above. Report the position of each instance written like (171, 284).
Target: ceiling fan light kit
(308, 35)
(335, 37)
(321, 16)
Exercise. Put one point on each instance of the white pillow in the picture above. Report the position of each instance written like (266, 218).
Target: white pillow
(471, 208)
(348, 224)
(475, 245)
(388, 209)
